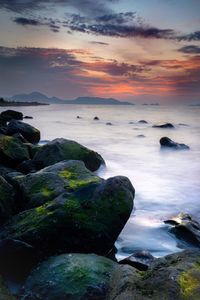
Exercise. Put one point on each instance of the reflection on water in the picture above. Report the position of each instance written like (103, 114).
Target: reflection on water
(166, 182)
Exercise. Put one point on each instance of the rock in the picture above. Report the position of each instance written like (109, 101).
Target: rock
(109, 123)
(140, 260)
(166, 142)
(12, 151)
(78, 277)
(27, 166)
(88, 219)
(165, 125)
(96, 119)
(142, 122)
(28, 117)
(4, 292)
(131, 122)
(78, 117)
(62, 149)
(9, 115)
(16, 259)
(30, 133)
(48, 183)
(33, 149)
(20, 137)
(7, 200)
(140, 136)
(183, 124)
(4, 171)
(185, 228)
(175, 276)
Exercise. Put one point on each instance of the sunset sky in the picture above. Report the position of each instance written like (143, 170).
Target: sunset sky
(136, 50)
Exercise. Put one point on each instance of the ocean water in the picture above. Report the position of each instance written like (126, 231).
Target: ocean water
(166, 182)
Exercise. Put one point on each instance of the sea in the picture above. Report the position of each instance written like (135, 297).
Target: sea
(166, 182)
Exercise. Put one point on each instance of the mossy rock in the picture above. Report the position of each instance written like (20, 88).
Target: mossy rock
(7, 200)
(175, 276)
(86, 220)
(75, 277)
(48, 183)
(30, 133)
(62, 149)
(12, 151)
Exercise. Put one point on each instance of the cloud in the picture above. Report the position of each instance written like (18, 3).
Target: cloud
(194, 36)
(99, 43)
(125, 25)
(72, 73)
(25, 21)
(86, 6)
(192, 49)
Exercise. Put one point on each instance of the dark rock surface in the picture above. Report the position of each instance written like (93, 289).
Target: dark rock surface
(165, 125)
(30, 133)
(9, 115)
(96, 119)
(7, 200)
(166, 142)
(142, 122)
(62, 149)
(185, 228)
(141, 260)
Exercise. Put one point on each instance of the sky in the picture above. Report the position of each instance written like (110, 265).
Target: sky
(135, 50)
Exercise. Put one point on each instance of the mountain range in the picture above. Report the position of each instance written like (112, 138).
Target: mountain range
(39, 97)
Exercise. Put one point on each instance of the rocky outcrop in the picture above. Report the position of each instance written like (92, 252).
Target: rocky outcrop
(166, 142)
(140, 260)
(7, 200)
(185, 228)
(9, 115)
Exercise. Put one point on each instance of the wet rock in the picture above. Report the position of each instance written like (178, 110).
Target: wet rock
(12, 151)
(62, 149)
(9, 115)
(142, 122)
(185, 228)
(77, 276)
(78, 117)
(4, 171)
(30, 133)
(140, 136)
(16, 259)
(7, 200)
(140, 260)
(28, 117)
(166, 142)
(96, 119)
(88, 219)
(165, 125)
(109, 123)
(4, 292)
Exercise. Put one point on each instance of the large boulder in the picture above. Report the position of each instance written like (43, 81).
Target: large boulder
(87, 219)
(7, 200)
(185, 228)
(78, 277)
(12, 151)
(4, 292)
(166, 142)
(9, 115)
(62, 149)
(30, 133)
(45, 185)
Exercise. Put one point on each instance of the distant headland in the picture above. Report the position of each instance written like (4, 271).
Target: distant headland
(6, 103)
(39, 97)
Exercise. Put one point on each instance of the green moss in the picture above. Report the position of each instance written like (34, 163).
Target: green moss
(46, 192)
(76, 181)
(190, 282)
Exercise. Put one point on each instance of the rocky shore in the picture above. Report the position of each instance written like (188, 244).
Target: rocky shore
(60, 221)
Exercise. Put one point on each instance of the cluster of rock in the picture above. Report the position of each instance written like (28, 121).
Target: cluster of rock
(59, 222)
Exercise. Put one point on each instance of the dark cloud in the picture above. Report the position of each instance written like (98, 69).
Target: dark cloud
(116, 25)
(99, 43)
(25, 21)
(86, 6)
(194, 36)
(192, 49)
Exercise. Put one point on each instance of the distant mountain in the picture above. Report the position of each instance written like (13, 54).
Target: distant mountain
(39, 97)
